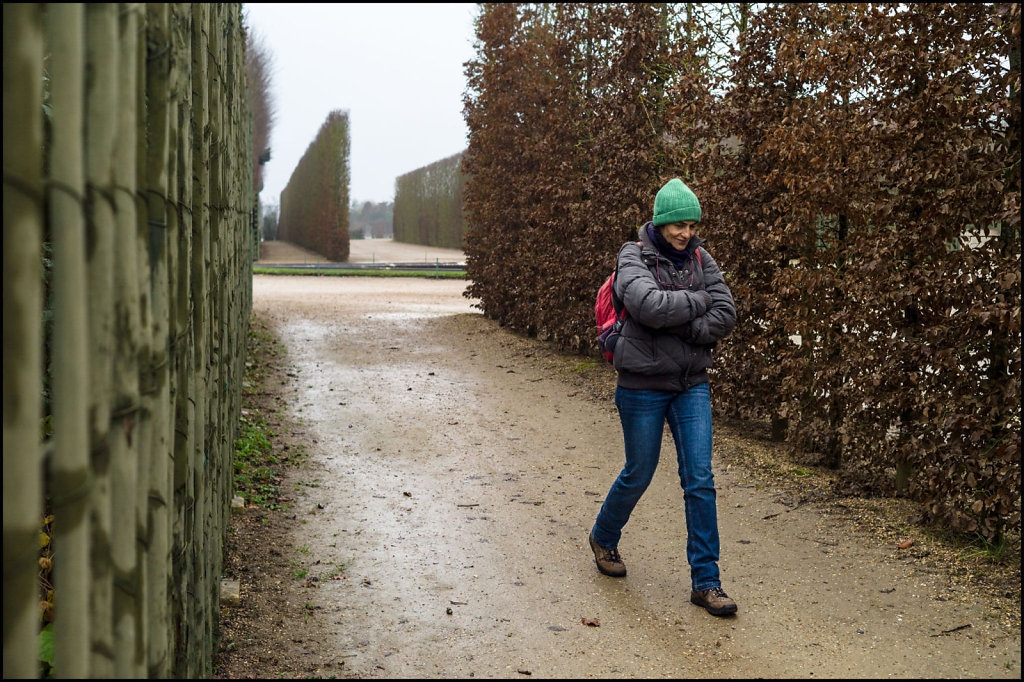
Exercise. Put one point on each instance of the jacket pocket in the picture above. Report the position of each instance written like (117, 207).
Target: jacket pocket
(635, 354)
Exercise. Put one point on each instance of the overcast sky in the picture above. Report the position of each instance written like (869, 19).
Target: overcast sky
(396, 68)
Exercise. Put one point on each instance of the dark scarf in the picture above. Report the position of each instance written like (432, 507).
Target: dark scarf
(678, 258)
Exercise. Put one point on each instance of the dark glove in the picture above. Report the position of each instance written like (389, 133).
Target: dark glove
(705, 297)
(695, 330)
(608, 338)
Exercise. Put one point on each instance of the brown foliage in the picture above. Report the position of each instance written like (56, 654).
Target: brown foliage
(569, 102)
(859, 170)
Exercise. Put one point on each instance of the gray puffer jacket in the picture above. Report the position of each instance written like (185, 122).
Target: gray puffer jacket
(666, 340)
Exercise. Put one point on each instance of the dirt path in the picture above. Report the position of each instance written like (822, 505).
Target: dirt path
(454, 472)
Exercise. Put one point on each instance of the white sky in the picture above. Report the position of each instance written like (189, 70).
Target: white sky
(396, 68)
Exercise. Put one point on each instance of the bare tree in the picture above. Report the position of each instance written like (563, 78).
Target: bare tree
(258, 69)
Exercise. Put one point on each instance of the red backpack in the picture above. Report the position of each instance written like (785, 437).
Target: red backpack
(608, 310)
(607, 313)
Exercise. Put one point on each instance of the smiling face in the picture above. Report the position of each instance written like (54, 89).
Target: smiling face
(678, 234)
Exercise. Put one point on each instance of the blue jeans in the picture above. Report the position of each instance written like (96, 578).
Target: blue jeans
(643, 414)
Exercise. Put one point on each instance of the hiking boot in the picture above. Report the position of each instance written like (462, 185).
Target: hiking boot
(608, 560)
(715, 600)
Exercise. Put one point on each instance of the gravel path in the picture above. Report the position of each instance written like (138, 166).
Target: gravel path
(454, 473)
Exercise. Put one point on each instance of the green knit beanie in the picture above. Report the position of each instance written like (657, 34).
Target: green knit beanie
(675, 202)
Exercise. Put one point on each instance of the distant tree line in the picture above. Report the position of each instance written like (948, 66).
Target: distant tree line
(371, 220)
(268, 225)
(859, 171)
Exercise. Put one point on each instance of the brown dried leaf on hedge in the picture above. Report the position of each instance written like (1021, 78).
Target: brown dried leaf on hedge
(860, 186)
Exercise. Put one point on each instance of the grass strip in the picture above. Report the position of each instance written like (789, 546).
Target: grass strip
(439, 274)
(258, 466)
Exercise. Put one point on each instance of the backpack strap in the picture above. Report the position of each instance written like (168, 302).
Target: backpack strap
(618, 305)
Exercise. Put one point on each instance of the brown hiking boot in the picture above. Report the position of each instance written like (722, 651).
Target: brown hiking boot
(715, 600)
(608, 560)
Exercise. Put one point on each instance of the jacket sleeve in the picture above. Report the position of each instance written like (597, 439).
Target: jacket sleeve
(645, 301)
(720, 318)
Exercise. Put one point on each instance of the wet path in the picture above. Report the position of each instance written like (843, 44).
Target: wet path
(453, 483)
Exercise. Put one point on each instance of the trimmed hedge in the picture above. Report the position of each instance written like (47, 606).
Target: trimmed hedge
(859, 172)
(428, 204)
(314, 203)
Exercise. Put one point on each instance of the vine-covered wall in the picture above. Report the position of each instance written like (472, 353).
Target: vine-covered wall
(128, 249)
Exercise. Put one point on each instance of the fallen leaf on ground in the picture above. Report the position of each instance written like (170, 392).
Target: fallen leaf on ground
(592, 622)
(906, 544)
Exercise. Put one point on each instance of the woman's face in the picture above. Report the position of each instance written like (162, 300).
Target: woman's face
(678, 234)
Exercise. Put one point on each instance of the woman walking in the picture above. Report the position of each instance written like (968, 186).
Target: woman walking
(677, 308)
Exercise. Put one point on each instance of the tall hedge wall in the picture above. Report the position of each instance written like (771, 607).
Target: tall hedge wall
(428, 204)
(127, 288)
(314, 203)
(859, 171)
